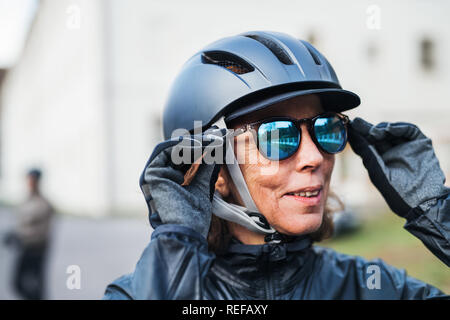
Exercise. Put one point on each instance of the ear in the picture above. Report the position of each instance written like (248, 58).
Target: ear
(223, 183)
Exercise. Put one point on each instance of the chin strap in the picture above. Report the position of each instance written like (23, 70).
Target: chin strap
(254, 221)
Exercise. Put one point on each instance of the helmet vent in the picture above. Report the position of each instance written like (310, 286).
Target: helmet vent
(313, 53)
(228, 61)
(276, 49)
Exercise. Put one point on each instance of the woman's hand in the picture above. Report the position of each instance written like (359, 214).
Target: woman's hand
(401, 163)
(169, 197)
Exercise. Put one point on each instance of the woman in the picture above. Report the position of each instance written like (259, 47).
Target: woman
(244, 229)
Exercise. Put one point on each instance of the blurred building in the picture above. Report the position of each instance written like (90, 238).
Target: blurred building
(84, 100)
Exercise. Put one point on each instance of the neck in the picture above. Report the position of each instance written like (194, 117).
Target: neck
(244, 235)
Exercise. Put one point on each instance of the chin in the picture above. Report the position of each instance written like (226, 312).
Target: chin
(302, 224)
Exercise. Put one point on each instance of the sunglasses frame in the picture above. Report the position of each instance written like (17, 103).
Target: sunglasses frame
(254, 127)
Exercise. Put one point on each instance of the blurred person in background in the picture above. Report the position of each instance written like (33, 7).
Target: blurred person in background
(31, 238)
(246, 229)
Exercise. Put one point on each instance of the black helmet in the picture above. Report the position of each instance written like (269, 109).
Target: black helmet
(240, 74)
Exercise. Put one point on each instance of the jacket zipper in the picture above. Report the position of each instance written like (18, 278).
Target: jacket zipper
(269, 287)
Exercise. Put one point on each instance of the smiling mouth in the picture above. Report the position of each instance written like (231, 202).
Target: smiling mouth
(308, 196)
(308, 192)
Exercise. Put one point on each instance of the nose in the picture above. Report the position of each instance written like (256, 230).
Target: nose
(308, 157)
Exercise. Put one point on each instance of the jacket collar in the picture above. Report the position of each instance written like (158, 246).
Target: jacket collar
(269, 251)
(248, 267)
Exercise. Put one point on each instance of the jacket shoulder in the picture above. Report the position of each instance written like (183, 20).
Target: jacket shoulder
(119, 289)
(344, 261)
(370, 279)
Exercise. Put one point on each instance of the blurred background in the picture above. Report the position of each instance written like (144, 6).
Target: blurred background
(83, 83)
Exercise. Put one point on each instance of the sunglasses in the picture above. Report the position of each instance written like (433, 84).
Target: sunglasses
(278, 138)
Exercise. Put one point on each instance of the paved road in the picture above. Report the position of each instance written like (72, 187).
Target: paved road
(104, 249)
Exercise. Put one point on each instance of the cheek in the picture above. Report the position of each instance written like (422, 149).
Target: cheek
(328, 166)
(263, 178)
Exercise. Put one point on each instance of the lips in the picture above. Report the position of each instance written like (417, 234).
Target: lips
(306, 190)
(304, 194)
(310, 195)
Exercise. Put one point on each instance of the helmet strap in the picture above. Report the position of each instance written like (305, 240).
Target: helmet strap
(248, 216)
(231, 212)
(238, 179)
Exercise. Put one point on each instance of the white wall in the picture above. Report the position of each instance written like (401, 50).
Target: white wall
(102, 87)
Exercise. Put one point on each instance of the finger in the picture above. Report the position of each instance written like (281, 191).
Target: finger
(404, 130)
(395, 133)
(161, 160)
(161, 167)
(360, 125)
(163, 146)
(166, 173)
(357, 141)
(385, 136)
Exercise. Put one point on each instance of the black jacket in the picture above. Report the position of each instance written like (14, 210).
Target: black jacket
(177, 265)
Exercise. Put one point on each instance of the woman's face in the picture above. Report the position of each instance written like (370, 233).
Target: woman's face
(275, 186)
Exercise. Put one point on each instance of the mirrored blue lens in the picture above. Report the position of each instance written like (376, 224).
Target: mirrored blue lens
(278, 140)
(330, 133)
